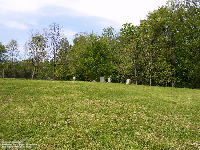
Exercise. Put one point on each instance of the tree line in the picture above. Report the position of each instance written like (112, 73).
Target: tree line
(164, 50)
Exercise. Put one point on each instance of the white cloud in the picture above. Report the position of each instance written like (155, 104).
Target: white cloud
(24, 14)
(13, 24)
(24, 5)
(119, 11)
(69, 34)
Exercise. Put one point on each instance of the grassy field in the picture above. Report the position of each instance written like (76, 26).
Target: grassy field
(84, 115)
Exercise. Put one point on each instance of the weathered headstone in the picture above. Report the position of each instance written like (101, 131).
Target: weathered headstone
(109, 80)
(102, 79)
(74, 78)
(128, 81)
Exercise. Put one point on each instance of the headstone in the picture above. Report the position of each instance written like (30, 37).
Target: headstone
(93, 81)
(109, 80)
(102, 79)
(74, 78)
(128, 81)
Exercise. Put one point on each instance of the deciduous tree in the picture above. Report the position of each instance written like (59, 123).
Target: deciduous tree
(12, 52)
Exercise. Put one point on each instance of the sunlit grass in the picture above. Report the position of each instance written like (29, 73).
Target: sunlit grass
(78, 115)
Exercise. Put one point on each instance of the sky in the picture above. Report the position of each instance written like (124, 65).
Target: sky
(19, 17)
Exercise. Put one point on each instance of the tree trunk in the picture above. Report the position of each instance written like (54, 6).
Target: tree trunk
(142, 78)
(33, 72)
(54, 71)
(173, 81)
(12, 67)
(174, 78)
(173, 84)
(54, 64)
(3, 74)
(136, 75)
(150, 78)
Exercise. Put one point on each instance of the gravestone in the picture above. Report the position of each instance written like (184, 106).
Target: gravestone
(109, 80)
(102, 79)
(128, 81)
(74, 78)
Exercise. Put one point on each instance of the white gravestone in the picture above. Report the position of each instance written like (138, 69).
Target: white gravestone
(109, 80)
(102, 79)
(74, 78)
(128, 81)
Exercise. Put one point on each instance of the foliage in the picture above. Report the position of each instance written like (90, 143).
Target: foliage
(163, 50)
(94, 58)
(53, 35)
(2, 55)
(2, 52)
(62, 70)
(12, 54)
(12, 50)
(36, 48)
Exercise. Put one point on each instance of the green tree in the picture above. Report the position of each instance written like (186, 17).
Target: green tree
(25, 68)
(62, 71)
(76, 55)
(159, 52)
(36, 48)
(54, 35)
(97, 60)
(2, 55)
(110, 38)
(90, 57)
(129, 52)
(184, 41)
(12, 52)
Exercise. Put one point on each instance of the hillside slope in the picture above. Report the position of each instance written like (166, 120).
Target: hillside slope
(78, 115)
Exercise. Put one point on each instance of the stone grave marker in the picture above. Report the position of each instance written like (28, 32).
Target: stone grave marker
(128, 81)
(74, 78)
(109, 80)
(102, 79)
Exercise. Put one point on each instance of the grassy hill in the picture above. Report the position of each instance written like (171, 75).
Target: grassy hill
(84, 115)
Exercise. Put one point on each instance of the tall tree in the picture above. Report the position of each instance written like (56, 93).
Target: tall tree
(54, 35)
(62, 71)
(160, 54)
(13, 52)
(36, 48)
(97, 60)
(2, 57)
(2, 53)
(91, 57)
(109, 37)
(129, 52)
(185, 37)
(76, 55)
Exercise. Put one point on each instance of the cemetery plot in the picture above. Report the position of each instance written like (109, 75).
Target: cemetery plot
(92, 115)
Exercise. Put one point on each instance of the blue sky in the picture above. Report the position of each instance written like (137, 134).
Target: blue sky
(18, 17)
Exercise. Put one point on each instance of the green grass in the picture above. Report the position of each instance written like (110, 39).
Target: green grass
(88, 115)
